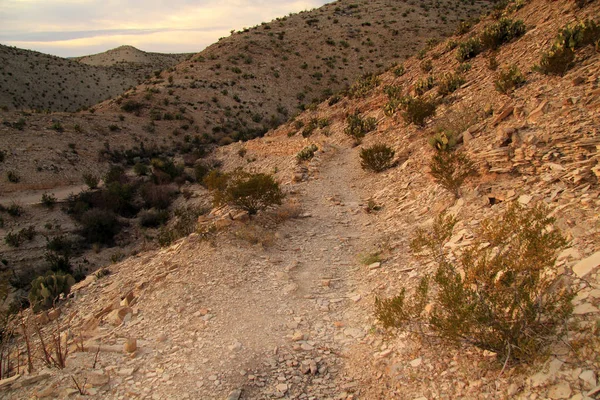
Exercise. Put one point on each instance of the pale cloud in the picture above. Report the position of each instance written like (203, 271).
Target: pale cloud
(79, 27)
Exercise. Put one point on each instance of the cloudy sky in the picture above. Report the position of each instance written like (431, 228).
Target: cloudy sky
(78, 27)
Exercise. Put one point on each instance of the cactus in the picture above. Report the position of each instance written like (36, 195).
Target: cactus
(45, 290)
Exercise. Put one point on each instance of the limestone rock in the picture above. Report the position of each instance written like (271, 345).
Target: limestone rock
(560, 391)
(130, 346)
(585, 266)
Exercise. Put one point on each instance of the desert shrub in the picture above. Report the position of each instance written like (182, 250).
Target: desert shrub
(215, 180)
(157, 196)
(249, 192)
(132, 106)
(561, 56)
(557, 61)
(48, 200)
(306, 153)
(423, 85)
(464, 27)
(59, 250)
(185, 223)
(442, 141)
(503, 293)
(505, 30)
(16, 239)
(2, 155)
(141, 169)
(399, 71)
(358, 127)
(493, 63)
(426, 66)
(450, 169)
(417, 110)
(363, 86)
(13, 177)
(509, 79)
(153, 218)
(463, 68)
(15, 210)
(450, 83)
(394, 94)
(310, 127)
(91, 180)
(46, 290)
(468, 49)
(242, 152)
(57, 126)
(99, 226)
(12, 239)
(20, 124)
(165, 170)
(377, 158)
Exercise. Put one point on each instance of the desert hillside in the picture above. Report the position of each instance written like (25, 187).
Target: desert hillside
(37, 81)
(259, 77)
(294, 301)
(129, 55)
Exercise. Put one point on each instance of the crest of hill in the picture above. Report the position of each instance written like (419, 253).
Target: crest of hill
(35, 81)
(129, 54)
(259, 77)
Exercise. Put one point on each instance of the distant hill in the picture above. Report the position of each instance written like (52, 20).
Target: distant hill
(131, 55)
(258, 78)
(35, 81)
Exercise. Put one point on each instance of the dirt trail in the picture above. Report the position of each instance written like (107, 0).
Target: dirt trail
(230, 320)
(32, 197)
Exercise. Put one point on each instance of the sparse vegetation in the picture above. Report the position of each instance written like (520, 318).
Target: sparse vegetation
(509, 79)
(363, 86)
(417, 110)
(46, 290)
(503, 294)
(246, 191)
(505, 30)
(358, 126)
(450, 169)
(307, 153)
(12, 177)
(468, 49)
(377, 158)
(48, 200)
(449, 83)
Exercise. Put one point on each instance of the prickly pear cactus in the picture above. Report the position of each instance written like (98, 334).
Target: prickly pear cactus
(45, 290)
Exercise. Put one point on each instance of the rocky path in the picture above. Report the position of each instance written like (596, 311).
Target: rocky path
(231, 320)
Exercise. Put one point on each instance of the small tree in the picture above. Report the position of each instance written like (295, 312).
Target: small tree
(503, 294)
(246, 191)
(377, 158)
(450, 169)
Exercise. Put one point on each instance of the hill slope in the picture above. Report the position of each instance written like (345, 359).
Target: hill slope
(36, 81)
(257, 78)
(281, 306)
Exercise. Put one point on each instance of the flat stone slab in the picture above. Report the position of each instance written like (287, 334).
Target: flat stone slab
(585, 266)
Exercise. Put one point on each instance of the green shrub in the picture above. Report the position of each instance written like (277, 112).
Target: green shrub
(12, 239)
(46, 290)
(13, 177)
(468, 49)
(503, 294)
(100, 226)
(132, 106)
(363, 86)
(247, 191)
(91, 180)
(450, 169)
(15, 210)
(426, 66)
(449, 83)
(505, 30)
(399, 71)
(358, 127)
(561, 56)
(377, 158)
(417, 110)
(157, 196)
(59, 250)
(307, 153)
(153, 218)
(509, 79)
(423, 85)
(48, 200)
(57, 126)
(141, 169)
